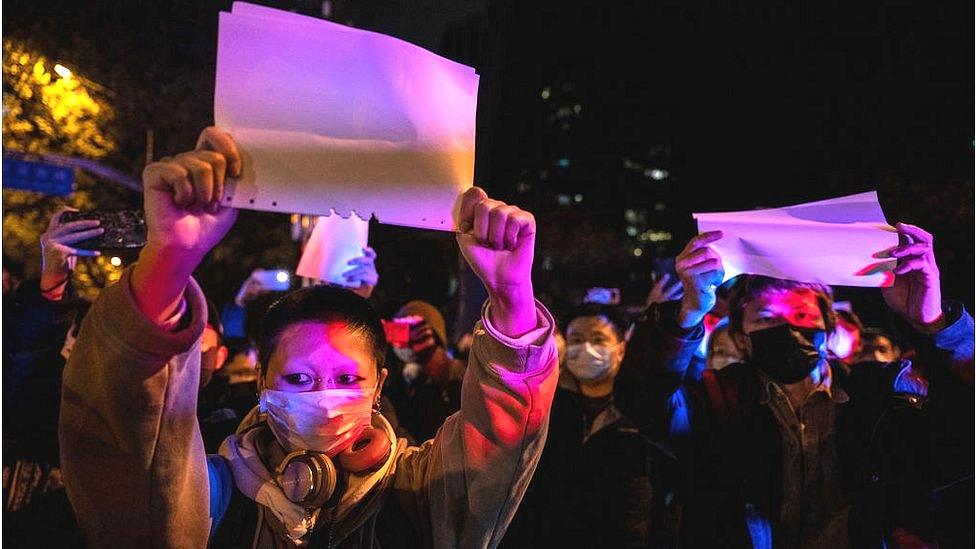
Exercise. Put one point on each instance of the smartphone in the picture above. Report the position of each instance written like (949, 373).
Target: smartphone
(606, 296)
(273, 279)
(398, 330)
(125, 229)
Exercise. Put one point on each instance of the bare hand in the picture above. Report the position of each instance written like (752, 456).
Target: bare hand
(363, 278)
(184, 220)
(252, 287)
(57, 255)
(184, 194)
(664, 290)
(916, 294)
(498, 241)
(700, 269)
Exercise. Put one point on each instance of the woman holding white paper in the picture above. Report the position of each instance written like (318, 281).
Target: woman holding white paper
(316, 466)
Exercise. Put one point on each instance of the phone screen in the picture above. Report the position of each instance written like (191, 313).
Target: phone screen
(276, 279)
(124, 229)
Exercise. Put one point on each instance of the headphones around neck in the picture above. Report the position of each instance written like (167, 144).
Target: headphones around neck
(312, 480)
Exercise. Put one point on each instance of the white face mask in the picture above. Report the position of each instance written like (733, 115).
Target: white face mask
(326, 421)
(589, 362)
(406, 355)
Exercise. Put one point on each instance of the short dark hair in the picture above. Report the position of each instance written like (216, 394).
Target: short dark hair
(749, 287)
(614, 315)
(213, 319)
(320, 304)
(873, 333)
(254, 313)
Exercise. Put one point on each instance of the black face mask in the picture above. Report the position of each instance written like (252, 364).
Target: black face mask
(787, 353)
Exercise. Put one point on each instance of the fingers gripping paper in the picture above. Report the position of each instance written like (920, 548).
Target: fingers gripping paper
(840, 241)
(333, 118)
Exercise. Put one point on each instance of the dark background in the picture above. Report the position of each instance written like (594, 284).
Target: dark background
(611, 121)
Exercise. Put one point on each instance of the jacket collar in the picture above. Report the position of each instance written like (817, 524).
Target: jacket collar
(823, 381)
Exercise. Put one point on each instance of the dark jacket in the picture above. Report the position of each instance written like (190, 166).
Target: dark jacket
(593, 484)
(220, 408)
(421, 406)
(36, 509)
(903, 450)
(34, 331)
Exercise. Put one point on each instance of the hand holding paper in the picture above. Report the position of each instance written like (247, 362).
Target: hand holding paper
(362, 276)
(917, 291)
(700, 269)
(334, 243)
(834, 241)
(184, 219)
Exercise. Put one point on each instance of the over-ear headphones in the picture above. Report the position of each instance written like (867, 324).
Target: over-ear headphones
(311, 478)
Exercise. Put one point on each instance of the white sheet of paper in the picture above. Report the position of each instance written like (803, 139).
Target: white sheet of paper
(833, 241)
(334, 118)
(333, 243)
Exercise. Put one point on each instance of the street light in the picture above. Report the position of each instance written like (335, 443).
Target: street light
(62, 71)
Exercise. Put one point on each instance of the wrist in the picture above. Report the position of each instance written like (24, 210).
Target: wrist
(512, 295)
(175, 255)
(55, 272)
(159, 279)
(512, 310)
(932, 327)
(50, 277)
(689, 316)
(53, 286)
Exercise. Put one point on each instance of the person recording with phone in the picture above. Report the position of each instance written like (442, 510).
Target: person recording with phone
(38, 319)
(315, 464)
(424, 387)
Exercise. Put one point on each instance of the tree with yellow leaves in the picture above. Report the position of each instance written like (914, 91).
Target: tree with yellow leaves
(48, 109)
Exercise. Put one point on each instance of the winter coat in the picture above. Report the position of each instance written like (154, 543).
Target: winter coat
(593, 485)
(904, 443)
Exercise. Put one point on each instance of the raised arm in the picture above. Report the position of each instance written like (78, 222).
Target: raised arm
(465, 485)
(916, 295)
(131, 452)
(665, 338)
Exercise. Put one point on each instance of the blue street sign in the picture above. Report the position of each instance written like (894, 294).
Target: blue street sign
(37, 177)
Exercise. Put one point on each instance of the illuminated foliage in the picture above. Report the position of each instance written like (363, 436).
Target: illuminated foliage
(49, 110)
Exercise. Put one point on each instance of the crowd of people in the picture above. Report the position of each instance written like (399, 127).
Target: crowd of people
(753, 412)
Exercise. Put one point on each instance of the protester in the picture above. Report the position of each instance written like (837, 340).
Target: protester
(787, 450)
(424, 387)
(878, 345)
(722, 349)
(226, 399)
(39, 318)
(844, 342)
(135, 465)
(593, 484)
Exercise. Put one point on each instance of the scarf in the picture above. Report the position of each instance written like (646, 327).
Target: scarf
(252, 478)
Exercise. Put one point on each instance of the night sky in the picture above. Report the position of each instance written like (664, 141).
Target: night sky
(743, 104)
